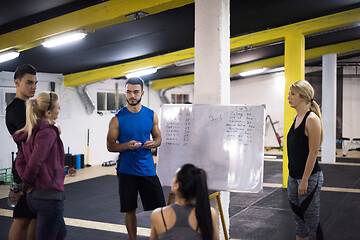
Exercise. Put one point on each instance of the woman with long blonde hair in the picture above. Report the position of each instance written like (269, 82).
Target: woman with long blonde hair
(40, 164)
(305, 176)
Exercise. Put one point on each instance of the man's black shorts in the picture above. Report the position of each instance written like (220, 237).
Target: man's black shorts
(149, 187)
(21, 210)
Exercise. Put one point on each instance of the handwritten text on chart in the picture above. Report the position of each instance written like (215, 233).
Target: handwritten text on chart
(237, 125)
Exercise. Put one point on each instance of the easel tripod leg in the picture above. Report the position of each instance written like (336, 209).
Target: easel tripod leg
(222, 216)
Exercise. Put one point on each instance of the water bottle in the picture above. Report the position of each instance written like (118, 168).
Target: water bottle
(15, 188)
(109, 163)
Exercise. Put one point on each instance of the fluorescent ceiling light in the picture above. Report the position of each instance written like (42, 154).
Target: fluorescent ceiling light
(9, 55)
(141, 72)
(278, 69)
(137, 15)
(185, 62)
(252, 72)
(63, 39)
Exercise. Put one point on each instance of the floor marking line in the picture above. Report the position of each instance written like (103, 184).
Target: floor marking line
(335, 189)
(109, 227)
(272, 160)
(103, 226)
(342, 163)
(329, 189)
(272, 185)
(6, 212)
(336, 163)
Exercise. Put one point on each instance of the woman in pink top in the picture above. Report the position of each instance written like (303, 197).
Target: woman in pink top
(40, 164)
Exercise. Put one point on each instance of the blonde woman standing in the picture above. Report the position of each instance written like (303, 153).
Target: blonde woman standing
(40, 164)
(305, 176)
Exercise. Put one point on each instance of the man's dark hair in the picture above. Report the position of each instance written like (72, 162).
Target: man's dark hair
(135, 81)
(24, 69)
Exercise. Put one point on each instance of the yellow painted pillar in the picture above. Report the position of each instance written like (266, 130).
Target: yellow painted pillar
(294, 71)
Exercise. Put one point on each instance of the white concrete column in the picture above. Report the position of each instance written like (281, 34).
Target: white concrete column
(328, 149)
(212, 66)
(212, 52)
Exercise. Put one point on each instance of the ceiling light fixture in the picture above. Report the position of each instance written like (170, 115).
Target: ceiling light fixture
(63, 39)
(137, 15)
(184, 62)
(278, 69)
(8, 55)
(141, 72)
(252, 72)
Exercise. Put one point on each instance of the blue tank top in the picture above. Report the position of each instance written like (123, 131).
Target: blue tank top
(136, 126)
(181, 229)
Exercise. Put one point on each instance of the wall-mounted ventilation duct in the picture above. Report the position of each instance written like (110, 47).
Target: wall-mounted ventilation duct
(85, 98)
(163, 98)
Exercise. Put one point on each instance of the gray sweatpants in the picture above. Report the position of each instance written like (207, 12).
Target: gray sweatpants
(307, 226)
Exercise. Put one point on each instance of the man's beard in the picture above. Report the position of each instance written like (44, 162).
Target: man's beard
(133, 104)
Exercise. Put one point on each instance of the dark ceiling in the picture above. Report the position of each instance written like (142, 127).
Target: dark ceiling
(161, 33)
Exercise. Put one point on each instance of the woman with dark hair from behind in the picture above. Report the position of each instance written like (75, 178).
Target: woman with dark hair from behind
(191, 216)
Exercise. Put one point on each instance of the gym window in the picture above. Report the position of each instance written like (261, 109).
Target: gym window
(179, 98)
(107, 101)
(6, 95)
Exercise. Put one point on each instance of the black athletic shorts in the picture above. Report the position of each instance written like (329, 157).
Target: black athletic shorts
(149, 187)
(21, 210)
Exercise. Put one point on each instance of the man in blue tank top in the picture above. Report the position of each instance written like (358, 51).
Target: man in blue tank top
(129, 134)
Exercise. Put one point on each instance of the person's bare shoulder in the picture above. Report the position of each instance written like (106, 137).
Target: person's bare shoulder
(313, 118)
(156, 211)
(156, 216)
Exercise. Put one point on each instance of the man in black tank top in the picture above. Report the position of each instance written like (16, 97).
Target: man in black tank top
(25, 79)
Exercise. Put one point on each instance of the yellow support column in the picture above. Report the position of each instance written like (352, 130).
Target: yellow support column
(294, 71)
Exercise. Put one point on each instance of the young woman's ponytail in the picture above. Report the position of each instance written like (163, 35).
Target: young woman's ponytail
(202, 209)
(30, 117)
(314, 107)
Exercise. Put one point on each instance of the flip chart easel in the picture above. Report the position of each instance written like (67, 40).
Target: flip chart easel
(211, 196)
(227, 141)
